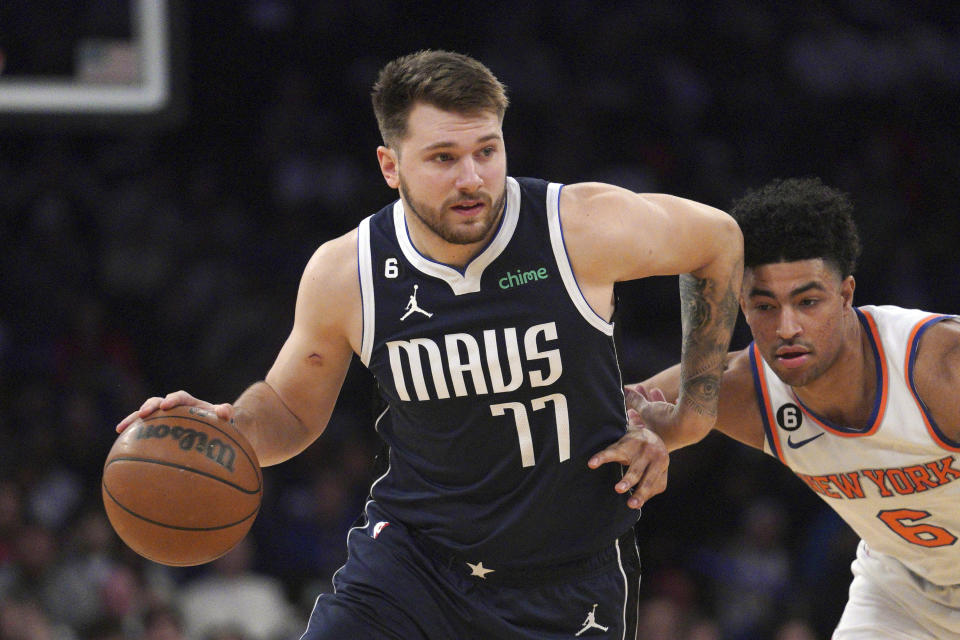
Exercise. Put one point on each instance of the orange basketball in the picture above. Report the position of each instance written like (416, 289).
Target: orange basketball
(181, 487)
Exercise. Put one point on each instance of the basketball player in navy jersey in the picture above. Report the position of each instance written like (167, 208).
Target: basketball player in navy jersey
(482, 304)
(862, 403)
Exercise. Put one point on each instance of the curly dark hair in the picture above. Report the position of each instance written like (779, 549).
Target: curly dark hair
(798, 219)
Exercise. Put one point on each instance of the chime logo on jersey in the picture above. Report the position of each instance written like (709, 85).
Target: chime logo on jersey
(521, 277)
(493, 361)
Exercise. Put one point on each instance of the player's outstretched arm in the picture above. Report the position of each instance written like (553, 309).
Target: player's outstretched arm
(651, 410)
(650, 403)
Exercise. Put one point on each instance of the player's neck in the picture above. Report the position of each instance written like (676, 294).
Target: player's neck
(845, 394)
(439, 250)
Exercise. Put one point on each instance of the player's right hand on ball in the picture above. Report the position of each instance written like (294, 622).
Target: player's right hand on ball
(177, 398)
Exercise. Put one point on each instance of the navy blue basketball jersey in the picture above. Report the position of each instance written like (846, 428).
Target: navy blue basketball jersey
(501, 383)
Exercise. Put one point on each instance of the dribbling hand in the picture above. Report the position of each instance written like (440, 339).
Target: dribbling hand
(223, 411)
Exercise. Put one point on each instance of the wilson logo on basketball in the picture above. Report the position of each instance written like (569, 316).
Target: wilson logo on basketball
(216, 449)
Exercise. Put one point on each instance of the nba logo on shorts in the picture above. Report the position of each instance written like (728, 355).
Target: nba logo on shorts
(377, 528)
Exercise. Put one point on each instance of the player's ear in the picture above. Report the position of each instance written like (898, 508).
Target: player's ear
(388, 160)
(846, 290)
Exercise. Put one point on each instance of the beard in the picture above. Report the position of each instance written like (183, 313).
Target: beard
(436, 219)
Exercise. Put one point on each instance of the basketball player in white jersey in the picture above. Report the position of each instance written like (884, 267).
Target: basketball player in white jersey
(862, 403)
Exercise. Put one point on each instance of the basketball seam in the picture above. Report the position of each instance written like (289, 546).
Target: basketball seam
(185, 468)
(173, 526)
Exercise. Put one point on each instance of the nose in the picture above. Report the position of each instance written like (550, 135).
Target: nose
(789, 325)
(468, 178)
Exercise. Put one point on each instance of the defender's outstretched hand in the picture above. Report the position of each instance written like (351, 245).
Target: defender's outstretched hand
(647, 407)
(223, 411)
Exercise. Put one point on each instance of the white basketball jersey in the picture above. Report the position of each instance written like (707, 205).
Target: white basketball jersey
(897, 482)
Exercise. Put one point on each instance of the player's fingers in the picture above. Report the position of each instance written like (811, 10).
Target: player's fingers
(634, 419)
(661, 484)
(126, 422)
(633, 475)
(224, 411)
(599, 459)
(653, 484)
(634, 399)
(616, 452)
(632, 389)
(652, 480)
(656, 395)
(178, 398)
(149, 406)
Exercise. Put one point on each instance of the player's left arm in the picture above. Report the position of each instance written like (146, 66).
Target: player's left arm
(937, 375)
(613, 235)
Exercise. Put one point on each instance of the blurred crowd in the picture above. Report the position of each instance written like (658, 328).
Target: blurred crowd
(137, 262)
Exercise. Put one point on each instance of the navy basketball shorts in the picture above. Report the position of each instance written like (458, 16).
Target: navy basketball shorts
(396, 585)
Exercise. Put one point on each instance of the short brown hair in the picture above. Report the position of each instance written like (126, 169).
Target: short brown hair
(444, 79)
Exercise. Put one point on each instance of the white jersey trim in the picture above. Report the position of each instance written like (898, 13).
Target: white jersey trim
(469, 280)
(563, 263)
(365, 268)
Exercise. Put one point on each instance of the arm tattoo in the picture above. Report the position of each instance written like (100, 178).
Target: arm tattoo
(708, 314)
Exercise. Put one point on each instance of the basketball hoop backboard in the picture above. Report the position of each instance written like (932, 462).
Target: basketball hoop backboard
(101, 59)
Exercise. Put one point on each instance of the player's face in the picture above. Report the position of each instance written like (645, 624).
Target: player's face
(451, 171)
(796, 312)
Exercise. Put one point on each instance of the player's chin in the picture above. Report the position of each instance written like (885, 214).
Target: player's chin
(795, 377)
(469, 232)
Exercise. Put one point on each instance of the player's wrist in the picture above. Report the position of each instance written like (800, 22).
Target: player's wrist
(696, 413)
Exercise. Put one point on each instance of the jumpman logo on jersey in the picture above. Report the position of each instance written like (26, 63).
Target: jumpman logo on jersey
(591, 621)
(413, 306)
